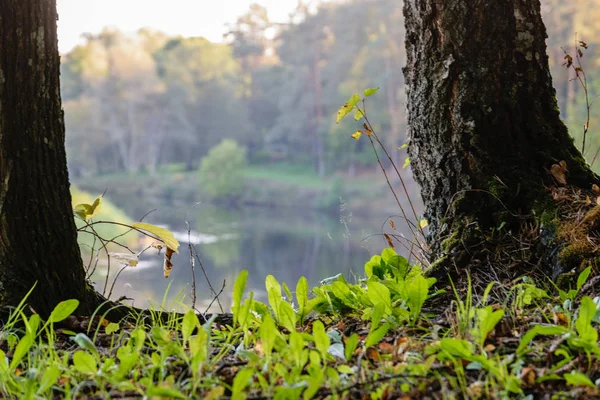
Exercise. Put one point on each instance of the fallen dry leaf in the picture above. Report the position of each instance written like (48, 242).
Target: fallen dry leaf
(559, 171)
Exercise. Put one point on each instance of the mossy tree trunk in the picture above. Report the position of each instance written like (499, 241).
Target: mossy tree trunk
(484, 127)
(38, 239)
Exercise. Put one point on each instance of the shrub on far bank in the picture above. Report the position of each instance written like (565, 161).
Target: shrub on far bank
(221, 170)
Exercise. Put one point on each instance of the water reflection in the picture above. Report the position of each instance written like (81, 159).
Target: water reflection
(285, 243)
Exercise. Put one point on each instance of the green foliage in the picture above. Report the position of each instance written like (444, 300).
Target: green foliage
(221, 171)
(335, 338)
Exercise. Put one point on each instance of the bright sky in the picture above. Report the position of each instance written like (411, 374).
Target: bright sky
(176, 17)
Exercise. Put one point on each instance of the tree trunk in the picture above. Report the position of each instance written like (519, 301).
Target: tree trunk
(485, 130)
(38, 239)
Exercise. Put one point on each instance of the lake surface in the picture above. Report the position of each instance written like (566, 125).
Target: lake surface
(287, 243)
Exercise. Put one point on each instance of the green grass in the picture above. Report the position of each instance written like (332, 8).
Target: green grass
(382, 337)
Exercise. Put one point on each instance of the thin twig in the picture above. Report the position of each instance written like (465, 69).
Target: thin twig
(192, 265)
(208, 280)
(216, 297)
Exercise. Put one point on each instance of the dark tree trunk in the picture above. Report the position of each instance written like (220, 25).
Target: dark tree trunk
(484, 127)
(38, 240)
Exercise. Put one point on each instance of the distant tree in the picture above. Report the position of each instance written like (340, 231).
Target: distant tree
(38, 239)
(487, 144)
(221, 171)
(203, 95)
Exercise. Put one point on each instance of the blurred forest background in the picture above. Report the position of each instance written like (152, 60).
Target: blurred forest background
(250, 122)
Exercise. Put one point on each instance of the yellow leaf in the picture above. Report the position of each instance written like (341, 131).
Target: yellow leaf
(356, 135)
(405, 145)
(342, 112)
(131, 260)
(168, 265)
(346, 108)
(88, 211)
(423, 223)
(163, 234)
(406, 162)
(358, 114)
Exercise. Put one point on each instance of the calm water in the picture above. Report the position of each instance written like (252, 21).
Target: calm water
(285, 243)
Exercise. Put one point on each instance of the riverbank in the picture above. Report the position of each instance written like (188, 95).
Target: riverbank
(271, 185)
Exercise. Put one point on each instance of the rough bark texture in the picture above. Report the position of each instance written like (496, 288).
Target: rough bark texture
(38, 240)
(483, 119)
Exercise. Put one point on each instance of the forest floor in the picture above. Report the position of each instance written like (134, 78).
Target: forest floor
(391, 335)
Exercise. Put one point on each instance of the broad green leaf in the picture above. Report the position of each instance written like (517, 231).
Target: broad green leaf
(314, 382)
(137, 339)
(388, 253)
(322, 340)
(587, 311)
(84, 362)
(86, 343)
(370, 91)
(583, 277)
(345, 369)
(112, 328)
(88, 211)
(127, 359)
(287, 316)
(399, 266)
(241, 381)
(268, 334)
(487, 321)
(540, 330)
(21, 350)
(576, 378)
(302, 298)
(457, 348)
(49, 378)
(165, 392)
(379, 294)
(377, 314)
(274, 296)
(33, 324)
(165, 235)
(3, 362)
(189, 323)
(375, 336)
(417, 291)
(238, 292)
(199, 346)
(351, 344)
(63, 310)
(342, 291)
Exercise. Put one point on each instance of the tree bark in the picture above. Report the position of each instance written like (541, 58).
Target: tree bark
(38, 239)
(484, 127)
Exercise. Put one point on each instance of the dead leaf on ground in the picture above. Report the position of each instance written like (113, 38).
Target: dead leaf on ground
(558, 171)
